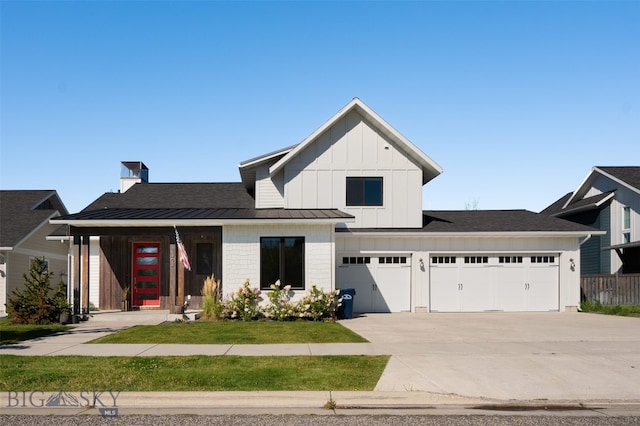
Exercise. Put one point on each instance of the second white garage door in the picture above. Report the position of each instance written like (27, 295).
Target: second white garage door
(476, 283)
(382, 283)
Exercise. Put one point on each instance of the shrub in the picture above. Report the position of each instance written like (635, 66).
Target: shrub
(243, 304)
(318, 305)
(211, 305)
(36, 304)
(280, 307)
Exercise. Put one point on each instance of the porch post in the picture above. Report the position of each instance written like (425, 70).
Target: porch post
(172, 279)
(85, 272)
(180, 284)
(77, 270)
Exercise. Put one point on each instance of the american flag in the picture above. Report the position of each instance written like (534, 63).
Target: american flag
(183, 253)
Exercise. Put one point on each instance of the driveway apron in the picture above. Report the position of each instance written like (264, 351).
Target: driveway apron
(554, 356)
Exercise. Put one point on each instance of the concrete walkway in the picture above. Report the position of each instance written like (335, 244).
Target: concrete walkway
(437, 359)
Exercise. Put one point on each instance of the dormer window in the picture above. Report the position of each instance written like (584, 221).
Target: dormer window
(364, 191)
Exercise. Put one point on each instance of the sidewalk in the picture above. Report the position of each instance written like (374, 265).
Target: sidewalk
(457, 360)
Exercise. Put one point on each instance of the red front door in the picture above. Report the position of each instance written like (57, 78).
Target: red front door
(146, 274)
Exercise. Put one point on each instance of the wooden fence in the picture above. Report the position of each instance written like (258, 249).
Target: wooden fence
(611, 289)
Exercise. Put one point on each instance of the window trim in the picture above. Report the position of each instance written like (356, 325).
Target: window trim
(282, 263)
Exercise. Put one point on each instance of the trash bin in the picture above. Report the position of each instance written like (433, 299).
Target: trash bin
(345, 311)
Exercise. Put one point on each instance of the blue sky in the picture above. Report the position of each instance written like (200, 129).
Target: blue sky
(516, 100)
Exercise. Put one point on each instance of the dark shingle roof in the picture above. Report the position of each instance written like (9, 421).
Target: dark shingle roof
(580, 205)
(177, 196)
(557, 206)
(477, 221)
(22, 211)
(630, 175)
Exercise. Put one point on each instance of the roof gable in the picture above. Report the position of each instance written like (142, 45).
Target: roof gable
(23, 211)
(628, 177)
(430, 169)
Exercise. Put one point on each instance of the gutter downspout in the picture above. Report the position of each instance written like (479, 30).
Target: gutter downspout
(587, 238)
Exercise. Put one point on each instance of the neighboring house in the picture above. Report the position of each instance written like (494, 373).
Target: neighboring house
(341, 209)
(24, 227)
(609, 200)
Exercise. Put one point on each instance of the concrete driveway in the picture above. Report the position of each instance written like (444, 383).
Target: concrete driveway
(523, 356)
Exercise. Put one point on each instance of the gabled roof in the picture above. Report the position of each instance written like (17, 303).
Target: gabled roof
(494, 222)
(430, 169)
(23, 211)
(165, 204)
(561, 208)
(628, 177)
(248, 168)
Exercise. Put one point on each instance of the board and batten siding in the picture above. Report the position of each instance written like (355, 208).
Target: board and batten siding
(241, 254)
(421, 248)
(352, 147)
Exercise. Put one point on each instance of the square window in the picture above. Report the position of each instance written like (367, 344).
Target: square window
(364, 191)
(282, 258)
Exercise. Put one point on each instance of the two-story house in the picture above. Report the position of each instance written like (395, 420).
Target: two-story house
(341, 209)
(608, 199)
(24, 228)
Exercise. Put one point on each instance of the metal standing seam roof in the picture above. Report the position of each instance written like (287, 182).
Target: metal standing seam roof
(116, 214)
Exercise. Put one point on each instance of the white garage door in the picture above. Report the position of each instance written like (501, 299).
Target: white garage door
(476, 283)
(382, 283)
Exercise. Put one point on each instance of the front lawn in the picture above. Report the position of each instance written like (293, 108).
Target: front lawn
(190, 373)
(236, 332)
(14, 333)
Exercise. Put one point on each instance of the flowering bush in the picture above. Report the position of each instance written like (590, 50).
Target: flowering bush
(280, 307)
(317, 304)
(243, 304)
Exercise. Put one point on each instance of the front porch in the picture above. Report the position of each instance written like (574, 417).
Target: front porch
(139, 268)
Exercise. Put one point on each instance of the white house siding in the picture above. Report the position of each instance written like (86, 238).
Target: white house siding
(316, 177)
(269, 192)
(624, 197)
(421, 248)
(241, 253)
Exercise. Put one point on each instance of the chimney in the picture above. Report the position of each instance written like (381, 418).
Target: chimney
(133, 172)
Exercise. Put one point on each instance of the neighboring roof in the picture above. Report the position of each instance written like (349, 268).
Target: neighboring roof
(628, 177)
(162, 204)
(430, 169)
(490, 222)
(560, 207)
(22, 211)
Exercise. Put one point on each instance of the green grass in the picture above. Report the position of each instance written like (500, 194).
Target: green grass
(14, 333)
(622, 310)
(235, 332)
(190, 373)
